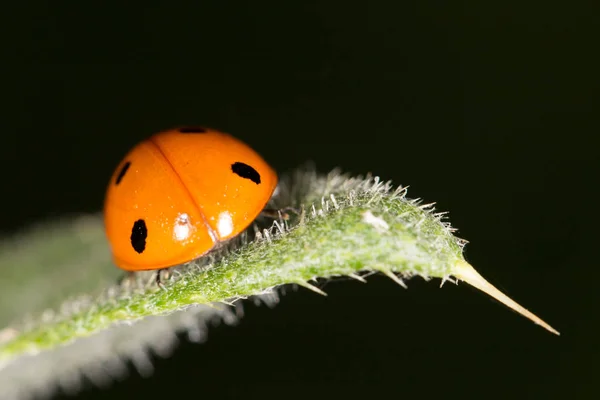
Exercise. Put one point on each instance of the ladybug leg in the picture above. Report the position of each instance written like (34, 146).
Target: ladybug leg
(159, 279)
(273, 213)
(127, 279)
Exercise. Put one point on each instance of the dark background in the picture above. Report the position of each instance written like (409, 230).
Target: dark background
(487, 109)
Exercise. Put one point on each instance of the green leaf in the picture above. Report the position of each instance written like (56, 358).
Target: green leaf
(347, 227)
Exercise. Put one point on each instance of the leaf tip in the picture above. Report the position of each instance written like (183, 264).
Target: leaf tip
(465, 272)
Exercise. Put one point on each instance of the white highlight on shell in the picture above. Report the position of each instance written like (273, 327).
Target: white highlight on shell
(224, 224)
(183, 227)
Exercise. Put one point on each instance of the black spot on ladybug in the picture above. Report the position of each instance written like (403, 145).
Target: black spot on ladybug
(245, 171)
(122, 172)
(192, 129)
(139, 233)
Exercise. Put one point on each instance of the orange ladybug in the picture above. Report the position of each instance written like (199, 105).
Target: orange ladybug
(181, 192)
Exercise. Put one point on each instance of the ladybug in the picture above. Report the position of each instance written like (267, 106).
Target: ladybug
(179, 193)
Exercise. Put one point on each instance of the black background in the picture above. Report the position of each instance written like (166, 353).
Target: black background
(487, 109)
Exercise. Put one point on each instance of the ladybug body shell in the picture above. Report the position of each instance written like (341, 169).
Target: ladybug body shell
(179, 193)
